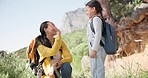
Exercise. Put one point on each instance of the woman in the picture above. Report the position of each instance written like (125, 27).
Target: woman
(53, 52)
(96, 51)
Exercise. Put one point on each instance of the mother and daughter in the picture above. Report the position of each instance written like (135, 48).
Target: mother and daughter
(54, 54)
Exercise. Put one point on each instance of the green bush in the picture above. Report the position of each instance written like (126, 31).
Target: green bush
(121, 9)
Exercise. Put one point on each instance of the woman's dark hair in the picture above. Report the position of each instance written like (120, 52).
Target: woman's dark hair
(42, 27)
(97, 5)
(40, 40)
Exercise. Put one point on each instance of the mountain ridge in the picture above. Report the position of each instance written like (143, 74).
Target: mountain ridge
(74, 20)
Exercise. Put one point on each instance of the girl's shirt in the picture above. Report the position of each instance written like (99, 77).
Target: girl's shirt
(94, 39)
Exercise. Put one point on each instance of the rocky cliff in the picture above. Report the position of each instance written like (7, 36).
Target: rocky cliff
(74, 20)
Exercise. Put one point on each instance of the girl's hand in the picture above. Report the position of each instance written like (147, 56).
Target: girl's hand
(93, 54)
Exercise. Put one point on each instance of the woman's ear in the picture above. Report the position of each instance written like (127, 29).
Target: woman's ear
(45, 29)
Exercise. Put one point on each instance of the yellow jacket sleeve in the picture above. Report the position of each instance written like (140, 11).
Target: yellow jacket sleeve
(67, 57)
(47, 52)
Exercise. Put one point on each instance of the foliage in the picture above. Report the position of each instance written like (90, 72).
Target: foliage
(77, 43)
(75, 38)
(119, 8)
(14, 66)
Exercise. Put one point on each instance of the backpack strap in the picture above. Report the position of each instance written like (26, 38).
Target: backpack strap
(92, 26)
(93, 30)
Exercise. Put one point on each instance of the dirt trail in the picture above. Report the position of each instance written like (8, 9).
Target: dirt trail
(133, 63)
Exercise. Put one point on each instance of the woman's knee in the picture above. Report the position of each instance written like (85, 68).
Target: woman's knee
(66, 66)
(66, 70)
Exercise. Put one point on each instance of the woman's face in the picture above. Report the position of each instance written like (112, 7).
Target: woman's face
(90, 12)
(51, 29)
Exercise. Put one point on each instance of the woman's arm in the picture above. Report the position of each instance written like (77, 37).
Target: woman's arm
(47, 52)
(67, 57)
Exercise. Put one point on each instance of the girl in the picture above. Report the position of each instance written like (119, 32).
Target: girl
(96, 51)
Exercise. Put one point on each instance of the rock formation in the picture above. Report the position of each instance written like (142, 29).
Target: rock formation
(74, 20)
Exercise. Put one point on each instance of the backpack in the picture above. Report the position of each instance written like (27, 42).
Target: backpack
(33, 58)
(109, 34)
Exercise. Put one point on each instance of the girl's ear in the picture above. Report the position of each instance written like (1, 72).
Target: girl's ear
(94, 9)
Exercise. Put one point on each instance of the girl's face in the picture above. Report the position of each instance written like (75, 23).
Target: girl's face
(51, 29)
(90, 12)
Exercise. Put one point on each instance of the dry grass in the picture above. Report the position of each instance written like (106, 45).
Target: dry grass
(132, 64)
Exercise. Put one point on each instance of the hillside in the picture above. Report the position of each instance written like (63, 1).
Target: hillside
(131, 61)
(15, 65)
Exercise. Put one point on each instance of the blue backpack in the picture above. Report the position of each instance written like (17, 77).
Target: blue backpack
(109, 34)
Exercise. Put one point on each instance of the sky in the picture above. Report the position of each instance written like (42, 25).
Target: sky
(20, 19)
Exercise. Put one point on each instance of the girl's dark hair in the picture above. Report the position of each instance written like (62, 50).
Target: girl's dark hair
(97, 5)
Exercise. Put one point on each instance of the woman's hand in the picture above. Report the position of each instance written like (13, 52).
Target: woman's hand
(93, 54)
(58, 32)
(59, 64)
(51, 71)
